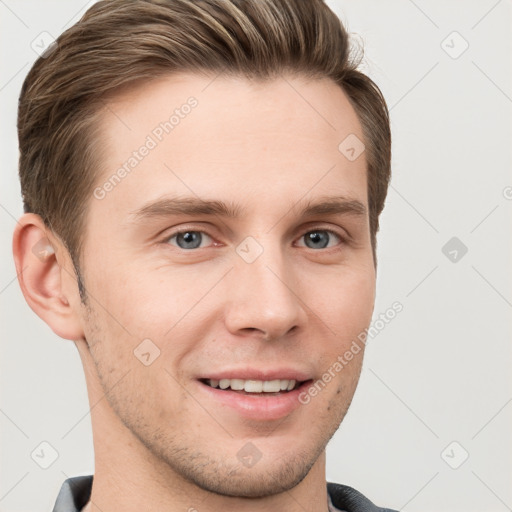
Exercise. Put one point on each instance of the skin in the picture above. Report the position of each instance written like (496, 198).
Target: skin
(160, 443)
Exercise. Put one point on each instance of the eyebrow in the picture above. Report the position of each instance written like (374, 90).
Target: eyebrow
(167, 206)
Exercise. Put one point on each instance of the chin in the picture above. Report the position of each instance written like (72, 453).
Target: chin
(255, 482)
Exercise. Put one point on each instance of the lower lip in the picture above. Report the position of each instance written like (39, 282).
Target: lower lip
(258, 406)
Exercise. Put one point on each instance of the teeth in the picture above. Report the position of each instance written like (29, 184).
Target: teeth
(254, 386)
(237, 384)
(272, 386)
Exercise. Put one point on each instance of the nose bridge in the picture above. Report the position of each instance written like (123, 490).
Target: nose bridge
(262, 291)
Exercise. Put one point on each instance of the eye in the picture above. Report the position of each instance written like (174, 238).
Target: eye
(188, 239)
(320, 238)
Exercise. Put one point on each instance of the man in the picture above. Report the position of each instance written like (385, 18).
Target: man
(202, 183)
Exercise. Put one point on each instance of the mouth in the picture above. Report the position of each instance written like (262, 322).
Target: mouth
(258, 388)
(257, 400)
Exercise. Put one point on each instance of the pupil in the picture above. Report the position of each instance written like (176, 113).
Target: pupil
(320, 238)
(190, 239)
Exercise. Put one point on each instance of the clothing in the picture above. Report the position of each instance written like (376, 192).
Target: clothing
(75, 492)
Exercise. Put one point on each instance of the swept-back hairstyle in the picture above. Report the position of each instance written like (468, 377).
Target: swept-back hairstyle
(120, 42)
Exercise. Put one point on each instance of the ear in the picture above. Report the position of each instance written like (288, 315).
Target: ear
(47, 277)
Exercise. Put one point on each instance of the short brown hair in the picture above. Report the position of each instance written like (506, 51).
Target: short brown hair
(120, 42)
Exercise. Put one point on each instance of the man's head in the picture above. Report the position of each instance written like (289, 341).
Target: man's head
(120, 43)
(201, 165)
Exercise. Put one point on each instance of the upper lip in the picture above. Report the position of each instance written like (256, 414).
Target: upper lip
(259, 374)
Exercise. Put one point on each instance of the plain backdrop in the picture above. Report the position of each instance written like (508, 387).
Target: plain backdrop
(430, 425)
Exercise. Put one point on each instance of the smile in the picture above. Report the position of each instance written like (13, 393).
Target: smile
(254, 386)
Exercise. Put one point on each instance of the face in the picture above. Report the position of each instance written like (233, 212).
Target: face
(234, 249)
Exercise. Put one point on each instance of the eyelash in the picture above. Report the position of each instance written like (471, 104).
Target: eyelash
(342, 239)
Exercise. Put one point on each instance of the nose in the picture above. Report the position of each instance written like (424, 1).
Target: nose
(263, 297)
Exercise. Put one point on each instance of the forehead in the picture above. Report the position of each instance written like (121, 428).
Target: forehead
(257, 140)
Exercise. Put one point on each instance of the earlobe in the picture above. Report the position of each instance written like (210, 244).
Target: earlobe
(44, 274)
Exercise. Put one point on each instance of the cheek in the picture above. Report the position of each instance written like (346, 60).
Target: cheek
(136, 391)
(151, 299)
(347, 310)
(132, 306)
(111, 347)
(346, 303)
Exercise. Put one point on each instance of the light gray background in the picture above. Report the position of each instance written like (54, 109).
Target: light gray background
(440, 371)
